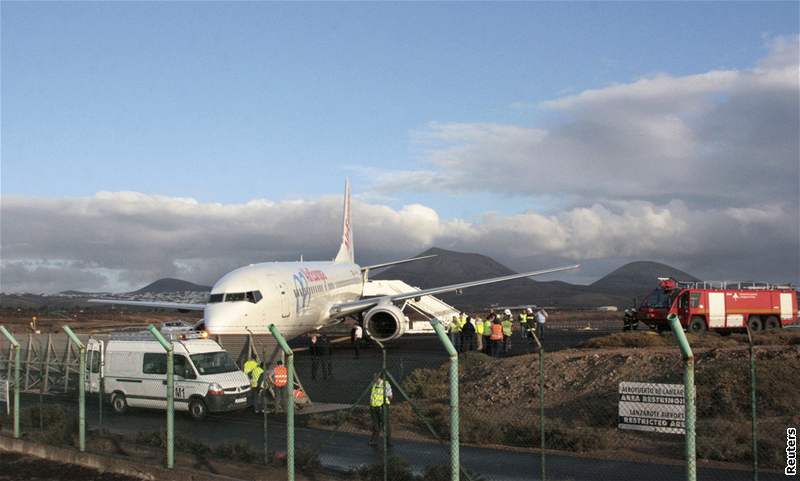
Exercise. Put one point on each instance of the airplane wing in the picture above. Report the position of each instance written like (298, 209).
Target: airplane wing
(394, 263)
(348, 308)
(165, 305)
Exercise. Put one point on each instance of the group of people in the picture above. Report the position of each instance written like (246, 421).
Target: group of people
(493, 334)
(273, 383)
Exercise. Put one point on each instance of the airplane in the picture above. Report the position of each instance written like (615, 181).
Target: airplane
(299, 297)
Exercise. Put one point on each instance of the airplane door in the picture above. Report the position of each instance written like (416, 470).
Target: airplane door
(284, 299)
(94, 365)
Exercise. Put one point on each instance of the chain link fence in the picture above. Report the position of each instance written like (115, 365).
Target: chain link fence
(598, 411)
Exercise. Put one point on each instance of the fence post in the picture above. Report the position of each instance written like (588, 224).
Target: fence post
(15, 348)
(455, 471)
(81, 387)
(170, 394)
(688, 386)
(541, 402)
(753, 411)
(289, 401)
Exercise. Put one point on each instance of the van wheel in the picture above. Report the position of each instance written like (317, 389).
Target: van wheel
(772, 323)
(754, 323)
(118, 403)
(197, 409)
(697, 325)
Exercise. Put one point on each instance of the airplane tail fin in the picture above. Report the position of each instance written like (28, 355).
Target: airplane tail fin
(346, 249)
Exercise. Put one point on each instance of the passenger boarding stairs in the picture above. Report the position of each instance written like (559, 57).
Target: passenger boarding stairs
(418, 311)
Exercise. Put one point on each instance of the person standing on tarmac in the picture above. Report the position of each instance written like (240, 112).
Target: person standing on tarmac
(487, 333)
(508, 325)
(496, 336)
(541, 318)
(355, 338)
(278, 378)
(523, 323)
(479, 332)
(313, 348)
(326, 356)
(455, 332)
(380, 399)
(257, 387)
(467, 335)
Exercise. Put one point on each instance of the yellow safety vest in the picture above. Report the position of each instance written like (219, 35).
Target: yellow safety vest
(249, 366)
(255, 376)
(506, 327)
(455, 326)
(479, 326)
(487, 328)
(523, 318)
(378, 396)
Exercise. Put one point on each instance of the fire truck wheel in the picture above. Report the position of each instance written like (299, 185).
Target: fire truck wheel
(754, 323)
(698, 325)
(772, 323)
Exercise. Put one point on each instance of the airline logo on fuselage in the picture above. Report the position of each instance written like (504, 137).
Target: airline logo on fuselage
(302, 286)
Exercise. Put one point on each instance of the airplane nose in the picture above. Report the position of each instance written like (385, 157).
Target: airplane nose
(226, 319)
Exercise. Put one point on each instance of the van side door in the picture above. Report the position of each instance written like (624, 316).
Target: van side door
(153, 389)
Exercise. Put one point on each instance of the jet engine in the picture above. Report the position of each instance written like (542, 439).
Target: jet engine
(385, 322)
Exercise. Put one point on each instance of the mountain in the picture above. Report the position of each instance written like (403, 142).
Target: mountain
(170, 285)
(637, 278)
(449, 267)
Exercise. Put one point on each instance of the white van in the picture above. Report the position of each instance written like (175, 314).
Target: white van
(133, 367)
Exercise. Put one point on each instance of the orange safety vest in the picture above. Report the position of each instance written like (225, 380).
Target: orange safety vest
(497, 332)
(281, 376)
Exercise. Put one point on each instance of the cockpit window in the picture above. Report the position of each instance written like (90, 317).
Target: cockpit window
(249, 296)
(234, 296)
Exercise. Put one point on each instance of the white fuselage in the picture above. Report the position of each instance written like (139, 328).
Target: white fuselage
(295, 296)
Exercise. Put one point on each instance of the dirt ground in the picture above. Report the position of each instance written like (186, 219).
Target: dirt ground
(18, 467)
(581, 397)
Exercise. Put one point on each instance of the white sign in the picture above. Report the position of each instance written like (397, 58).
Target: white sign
(4, 396)
(651, 407)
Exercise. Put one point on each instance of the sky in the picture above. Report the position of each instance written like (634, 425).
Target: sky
(152, 139)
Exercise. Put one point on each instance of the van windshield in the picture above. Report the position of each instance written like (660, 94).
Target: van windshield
(213, 362)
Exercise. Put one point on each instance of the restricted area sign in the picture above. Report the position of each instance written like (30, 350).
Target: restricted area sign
(651, 407)
(4, 396)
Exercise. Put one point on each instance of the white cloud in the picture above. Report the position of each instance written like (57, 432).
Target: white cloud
(123, 240)
(725, 137)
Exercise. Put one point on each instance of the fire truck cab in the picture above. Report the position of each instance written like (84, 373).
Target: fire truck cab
(722, 306)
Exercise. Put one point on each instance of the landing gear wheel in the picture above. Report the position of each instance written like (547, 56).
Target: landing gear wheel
(197, 409)
(754, 323)
(118, 403)
(772, 323)
(697, 325)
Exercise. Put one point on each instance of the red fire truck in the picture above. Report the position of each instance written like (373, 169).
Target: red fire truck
(722, 306)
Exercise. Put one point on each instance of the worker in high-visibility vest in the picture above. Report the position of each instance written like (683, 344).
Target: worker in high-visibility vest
(455, 332)
(487, 332)
(479, 332)
(278, 378)
(497, 336)
(508, 325)
(379, 400)
(257, 388)
(523, 323)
